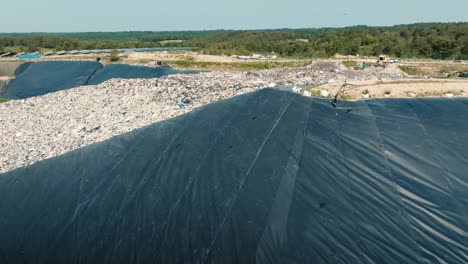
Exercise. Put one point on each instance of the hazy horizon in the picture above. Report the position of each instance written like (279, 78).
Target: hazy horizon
(223, 29)
(183, 15)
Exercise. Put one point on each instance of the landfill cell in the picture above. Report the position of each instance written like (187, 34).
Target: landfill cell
(39, 78)
(266, 177)
(34, 79)
(125, 71)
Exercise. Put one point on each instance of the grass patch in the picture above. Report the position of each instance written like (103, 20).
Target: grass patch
(431, 94)
(455, 92)
(312, 87)
(439, 93)
(408, 70)
(315, 93)
(417, 81)
(190, 63)
(447, 71)
(3, 100)
(349, 64)
(314, 90)
(114, 56)
(346, 97)
(175, 51)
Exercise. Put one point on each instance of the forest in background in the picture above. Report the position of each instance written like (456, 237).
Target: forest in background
(427, 40)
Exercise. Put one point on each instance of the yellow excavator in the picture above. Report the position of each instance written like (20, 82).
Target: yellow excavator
(382, 61)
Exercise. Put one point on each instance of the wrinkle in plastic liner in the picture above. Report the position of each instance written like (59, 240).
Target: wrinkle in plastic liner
(265, 177)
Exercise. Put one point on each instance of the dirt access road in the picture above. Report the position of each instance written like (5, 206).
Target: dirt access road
(405, 88)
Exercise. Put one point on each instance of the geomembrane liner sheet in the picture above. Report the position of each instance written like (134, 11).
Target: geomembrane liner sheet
(125, 71)
(49, 76)
(268, 177)
(34, 79)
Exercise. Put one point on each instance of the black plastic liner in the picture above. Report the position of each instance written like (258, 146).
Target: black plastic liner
(14, 70)
(125, 71)
(33, 79)
(267, 177)
(22, 68)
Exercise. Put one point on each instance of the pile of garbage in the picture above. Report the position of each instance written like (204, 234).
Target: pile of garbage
(323, 72)
(46, 126)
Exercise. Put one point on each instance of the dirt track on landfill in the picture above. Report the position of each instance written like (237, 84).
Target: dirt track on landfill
(402, 88)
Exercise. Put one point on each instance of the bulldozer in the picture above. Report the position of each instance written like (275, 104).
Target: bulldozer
(382, 61)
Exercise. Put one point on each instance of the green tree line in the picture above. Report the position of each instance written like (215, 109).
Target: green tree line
(147, 36)
(429, 40)
(438, 41)
(35, 43)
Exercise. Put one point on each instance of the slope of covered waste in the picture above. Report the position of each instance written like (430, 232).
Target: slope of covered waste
(52, 124)
(39, 78)
(2, 84)
(267, 177)
(7, 68)
(33, 79)
(125, 71)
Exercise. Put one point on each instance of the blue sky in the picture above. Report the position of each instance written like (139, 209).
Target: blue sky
(125, 15)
